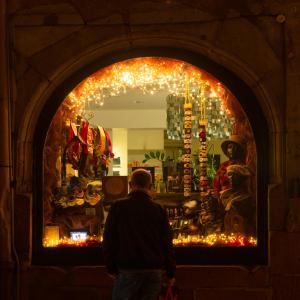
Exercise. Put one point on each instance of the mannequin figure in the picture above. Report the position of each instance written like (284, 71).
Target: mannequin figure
(235, 149)
(237, 201)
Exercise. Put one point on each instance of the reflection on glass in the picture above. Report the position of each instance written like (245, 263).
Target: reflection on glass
(187, 129)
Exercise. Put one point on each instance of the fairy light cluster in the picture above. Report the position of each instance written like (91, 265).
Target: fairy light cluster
(181, 240)
(90, 241)
(215, 240)
(149, 74)
(153, 74)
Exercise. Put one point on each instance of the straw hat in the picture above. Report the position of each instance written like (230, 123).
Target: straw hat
(236, 139)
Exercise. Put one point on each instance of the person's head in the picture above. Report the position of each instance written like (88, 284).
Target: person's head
(140, 180)
(234, 151)
(234, 147)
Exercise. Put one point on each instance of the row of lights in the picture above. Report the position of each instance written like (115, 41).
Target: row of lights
(181, 240)
(150, 75)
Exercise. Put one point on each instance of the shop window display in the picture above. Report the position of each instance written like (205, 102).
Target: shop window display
(204, 172)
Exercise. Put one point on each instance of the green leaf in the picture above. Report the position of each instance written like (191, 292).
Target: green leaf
(157, 154)
(152, 155)
(162, 156)
(147, 156)
(144, 161)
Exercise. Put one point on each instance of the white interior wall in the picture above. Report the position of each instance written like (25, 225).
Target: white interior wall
(131, 118)
(145, 139)
(120, 149)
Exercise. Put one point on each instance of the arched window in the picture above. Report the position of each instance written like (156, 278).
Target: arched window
(194, 126)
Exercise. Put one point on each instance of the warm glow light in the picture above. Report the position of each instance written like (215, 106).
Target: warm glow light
(52, 233)
(149, 74)
(231, 240)
(90, 241)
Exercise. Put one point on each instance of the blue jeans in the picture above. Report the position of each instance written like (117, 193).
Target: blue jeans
(137, 285)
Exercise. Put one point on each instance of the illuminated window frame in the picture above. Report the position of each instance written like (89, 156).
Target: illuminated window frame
(184, 255)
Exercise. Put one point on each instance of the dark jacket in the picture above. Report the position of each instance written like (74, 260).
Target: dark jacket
(137, 235)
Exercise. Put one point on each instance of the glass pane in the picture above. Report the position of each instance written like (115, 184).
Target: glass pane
(169, 117)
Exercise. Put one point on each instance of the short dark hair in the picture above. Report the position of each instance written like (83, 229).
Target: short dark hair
(141, 178)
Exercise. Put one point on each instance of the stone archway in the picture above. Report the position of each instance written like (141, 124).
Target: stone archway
(49, 66)
(233, 82)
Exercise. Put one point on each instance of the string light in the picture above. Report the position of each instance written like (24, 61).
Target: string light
(149, 74)
(90, 241)
(230, 240)
(233, 240)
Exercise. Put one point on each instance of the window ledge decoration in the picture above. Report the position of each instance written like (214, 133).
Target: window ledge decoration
(220, 240)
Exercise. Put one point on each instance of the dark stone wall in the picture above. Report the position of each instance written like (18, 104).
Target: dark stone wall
(48, 40)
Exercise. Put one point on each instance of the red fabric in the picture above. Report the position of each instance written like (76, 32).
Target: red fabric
(221, 180)
(108, 140)
(169, 295)
(84, 134)
(84, 130)
(70, 134)
(73, 153)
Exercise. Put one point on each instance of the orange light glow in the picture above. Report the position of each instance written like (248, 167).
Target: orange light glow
(149, 74)
(231, 240)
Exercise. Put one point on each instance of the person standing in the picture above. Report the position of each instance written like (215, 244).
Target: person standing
(137, 243)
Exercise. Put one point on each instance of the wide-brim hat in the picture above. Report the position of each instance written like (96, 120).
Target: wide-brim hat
(236, 139)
